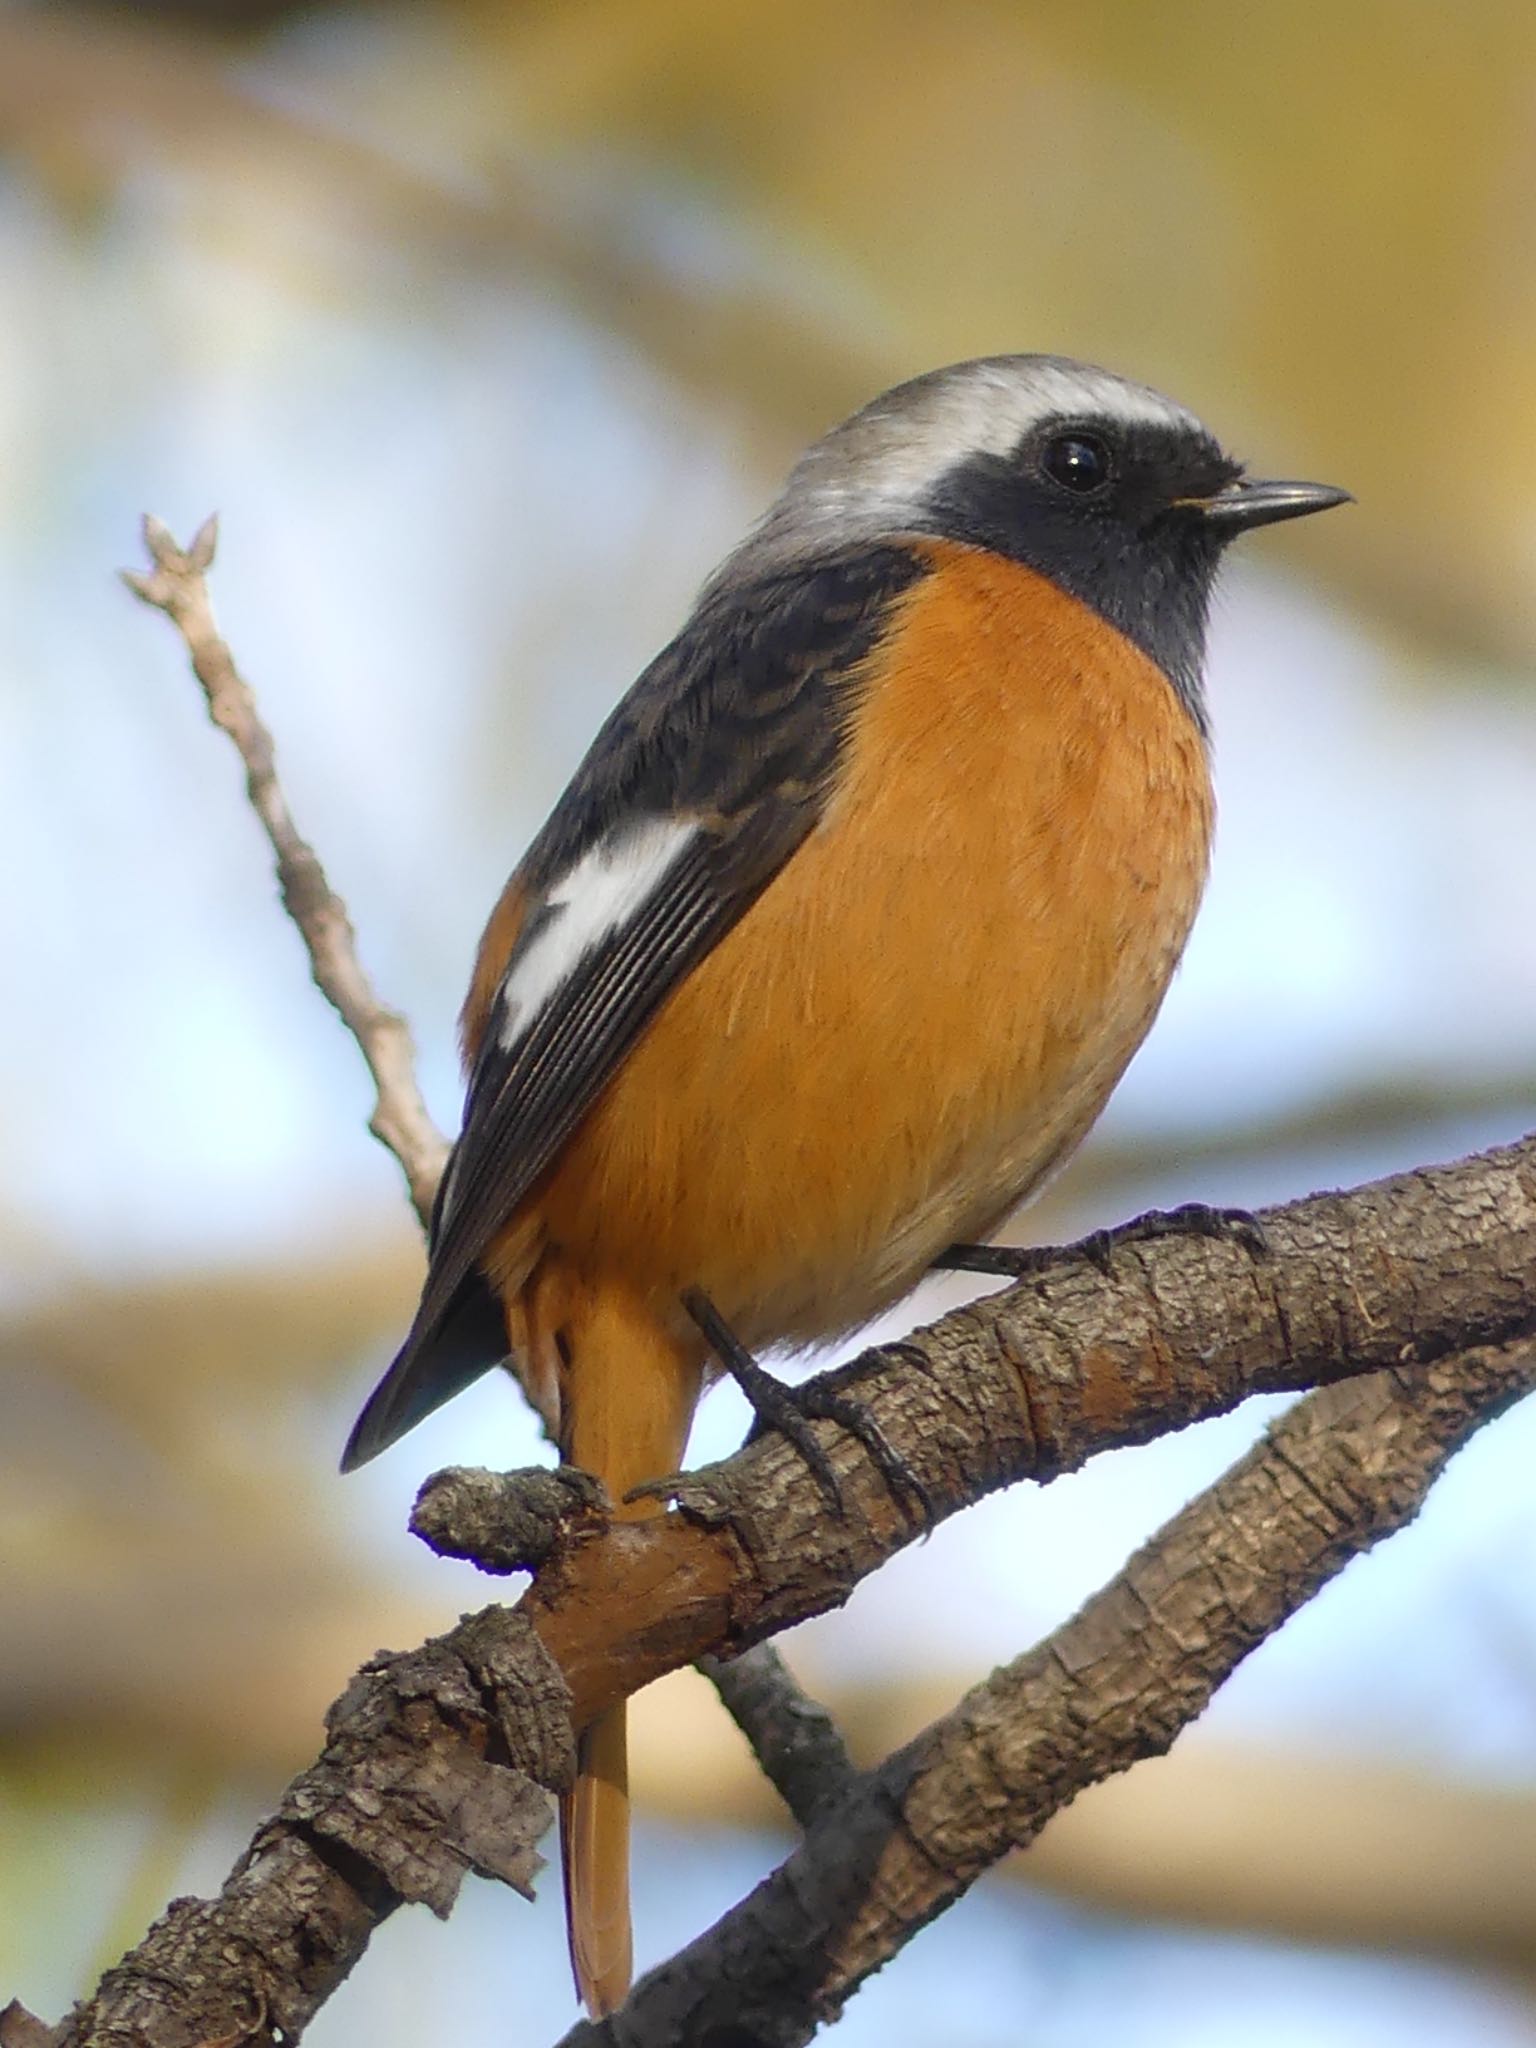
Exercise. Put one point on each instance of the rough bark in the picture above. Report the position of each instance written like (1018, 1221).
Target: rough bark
(1116, 1683)
(794, 1738)
(434, 1757)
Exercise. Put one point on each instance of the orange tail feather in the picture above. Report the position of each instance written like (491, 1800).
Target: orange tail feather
(594, 1850)
(628, 1393)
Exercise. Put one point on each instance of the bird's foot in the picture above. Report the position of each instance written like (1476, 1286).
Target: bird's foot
(792, 1411)
(1193, 1219)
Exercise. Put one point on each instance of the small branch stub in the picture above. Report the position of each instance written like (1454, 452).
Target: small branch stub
(507, 1522)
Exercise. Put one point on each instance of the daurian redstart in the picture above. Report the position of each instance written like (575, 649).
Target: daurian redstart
(841, 935)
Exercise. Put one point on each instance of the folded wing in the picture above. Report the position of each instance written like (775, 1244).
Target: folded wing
(707, 778)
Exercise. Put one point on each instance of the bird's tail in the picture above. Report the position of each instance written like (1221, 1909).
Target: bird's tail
(594, 1849)
(629, 1394)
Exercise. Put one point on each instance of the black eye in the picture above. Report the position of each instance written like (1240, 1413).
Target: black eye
(1078, 462)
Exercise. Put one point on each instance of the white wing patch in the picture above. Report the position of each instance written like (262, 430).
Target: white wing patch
(603, 891)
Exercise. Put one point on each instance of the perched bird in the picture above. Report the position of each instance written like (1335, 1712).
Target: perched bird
(841, 935)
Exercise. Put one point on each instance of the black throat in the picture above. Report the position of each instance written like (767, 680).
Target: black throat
(1144, 568)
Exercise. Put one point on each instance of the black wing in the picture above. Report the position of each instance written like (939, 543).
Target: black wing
(736, 728)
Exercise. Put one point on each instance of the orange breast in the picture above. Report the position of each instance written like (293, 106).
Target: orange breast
(929, 1006)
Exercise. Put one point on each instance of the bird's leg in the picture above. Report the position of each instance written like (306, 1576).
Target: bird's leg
(792, 1410)
(1011, 1261)
(1193, 1219)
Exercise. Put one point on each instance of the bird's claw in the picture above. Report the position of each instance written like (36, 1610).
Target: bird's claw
(698, 1497)
(1192, 1219)
(793, 1410)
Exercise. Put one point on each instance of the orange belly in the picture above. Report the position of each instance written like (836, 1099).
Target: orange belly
(927, 1009)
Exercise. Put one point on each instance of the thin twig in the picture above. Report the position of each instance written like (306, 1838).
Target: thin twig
(177, 586)
(793, 1737)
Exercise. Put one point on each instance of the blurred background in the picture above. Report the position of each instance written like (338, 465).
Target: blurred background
(487, 328)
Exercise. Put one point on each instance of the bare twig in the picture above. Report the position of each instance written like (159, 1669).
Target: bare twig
(1115, 1684)
(177, 586)
(793, 1737)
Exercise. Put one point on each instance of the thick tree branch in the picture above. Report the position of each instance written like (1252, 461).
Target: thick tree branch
(432, 1757)
(1028, 1384)
(1115, 1684)
(177, 586)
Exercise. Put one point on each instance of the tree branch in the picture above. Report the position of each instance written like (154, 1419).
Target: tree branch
(1115, 1684)
(793, 1737)
(434, 1757)
(22, 2029)
(1306, 1841)
(177, 586)
(1028, 1384)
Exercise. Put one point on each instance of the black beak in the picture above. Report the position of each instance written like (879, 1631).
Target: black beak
(1250, 502)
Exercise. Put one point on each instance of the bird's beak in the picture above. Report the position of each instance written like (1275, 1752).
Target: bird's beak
(1249, 502)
